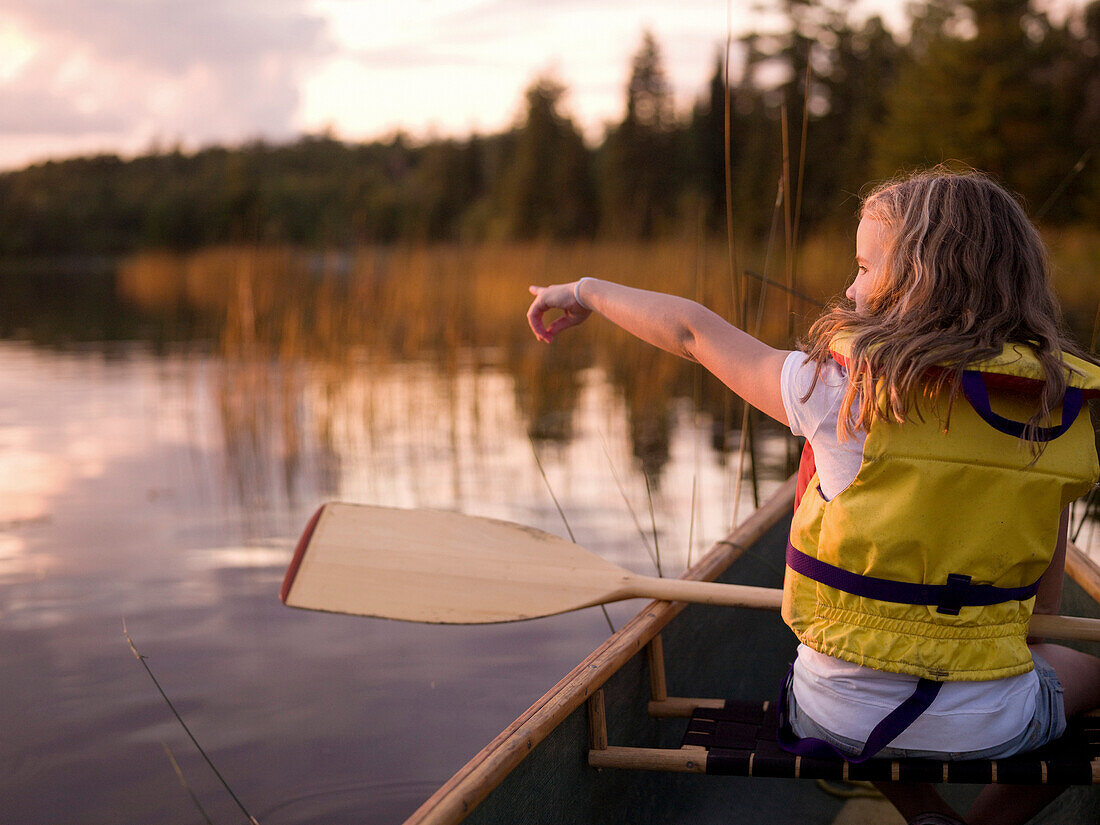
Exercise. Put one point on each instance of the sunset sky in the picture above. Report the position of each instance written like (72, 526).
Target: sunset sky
(83, 76)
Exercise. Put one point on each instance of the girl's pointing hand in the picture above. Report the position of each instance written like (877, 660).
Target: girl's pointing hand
(556, 296)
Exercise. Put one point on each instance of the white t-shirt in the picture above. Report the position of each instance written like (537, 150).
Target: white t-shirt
(849, 699)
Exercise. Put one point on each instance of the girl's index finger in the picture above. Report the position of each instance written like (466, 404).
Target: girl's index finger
(534, 316)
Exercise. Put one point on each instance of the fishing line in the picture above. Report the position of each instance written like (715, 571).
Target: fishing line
(802, 296)
(1074, 172)
(745, 406)
(633, 515)
(653, 520)
(565, 521)
(186, 729)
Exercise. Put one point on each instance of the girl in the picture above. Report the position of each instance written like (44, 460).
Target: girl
(918, 549)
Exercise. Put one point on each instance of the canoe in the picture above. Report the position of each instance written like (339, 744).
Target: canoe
(538, 769)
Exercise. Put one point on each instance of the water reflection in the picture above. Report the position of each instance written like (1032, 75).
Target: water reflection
(168, 490)
(450, 307)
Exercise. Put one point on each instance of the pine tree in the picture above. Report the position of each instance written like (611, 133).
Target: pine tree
(638, 174)
(547, 190)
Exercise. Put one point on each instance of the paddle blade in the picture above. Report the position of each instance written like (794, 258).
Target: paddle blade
(441, 567)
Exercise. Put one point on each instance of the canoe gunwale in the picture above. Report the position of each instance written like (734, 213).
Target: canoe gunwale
(476, 779)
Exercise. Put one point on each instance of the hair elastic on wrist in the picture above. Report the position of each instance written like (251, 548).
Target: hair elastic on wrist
(577, 293)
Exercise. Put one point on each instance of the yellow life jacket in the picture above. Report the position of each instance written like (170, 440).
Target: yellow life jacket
(927, 563)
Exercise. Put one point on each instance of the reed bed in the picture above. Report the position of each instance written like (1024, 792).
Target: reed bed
(408, 300)
(464, 306)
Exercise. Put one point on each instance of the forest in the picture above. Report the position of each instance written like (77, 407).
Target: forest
(825, 104)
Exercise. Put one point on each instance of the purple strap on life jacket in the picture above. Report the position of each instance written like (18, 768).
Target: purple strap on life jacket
(958, 592)
(973, 385)
(885, 732)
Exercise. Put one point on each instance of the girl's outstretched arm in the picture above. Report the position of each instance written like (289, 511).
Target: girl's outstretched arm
(746, 365)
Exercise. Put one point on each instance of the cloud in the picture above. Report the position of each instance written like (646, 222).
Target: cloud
(169, 35)
(117, 75)
(32, 106)
(446, 67)
(415, 56)
(137, 70)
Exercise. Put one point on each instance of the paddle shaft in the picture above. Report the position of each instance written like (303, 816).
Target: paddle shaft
(1065, 627)
(766, 598)
(716, 593)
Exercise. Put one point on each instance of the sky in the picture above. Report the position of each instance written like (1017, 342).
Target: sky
(129, 76)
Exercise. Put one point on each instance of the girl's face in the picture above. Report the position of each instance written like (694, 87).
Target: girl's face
(871, 236)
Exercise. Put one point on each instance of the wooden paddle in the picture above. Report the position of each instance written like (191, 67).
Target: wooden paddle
(443, 567)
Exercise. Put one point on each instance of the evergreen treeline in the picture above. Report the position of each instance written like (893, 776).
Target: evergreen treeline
(991, 83)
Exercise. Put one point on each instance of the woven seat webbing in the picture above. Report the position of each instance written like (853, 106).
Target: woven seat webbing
(741, 739)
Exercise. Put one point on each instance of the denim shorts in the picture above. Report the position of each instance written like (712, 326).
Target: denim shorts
(1048, 723)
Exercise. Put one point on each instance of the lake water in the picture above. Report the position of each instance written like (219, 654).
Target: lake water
(161, 483)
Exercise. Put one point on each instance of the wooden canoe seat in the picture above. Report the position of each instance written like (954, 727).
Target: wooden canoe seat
(739, 739)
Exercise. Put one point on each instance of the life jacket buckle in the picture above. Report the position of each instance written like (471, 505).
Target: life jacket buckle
(953, 594)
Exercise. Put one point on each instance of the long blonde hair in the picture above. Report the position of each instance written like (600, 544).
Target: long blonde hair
(964, 273)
